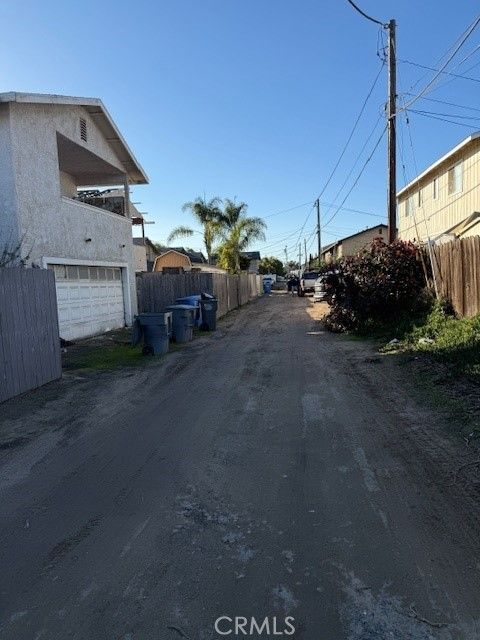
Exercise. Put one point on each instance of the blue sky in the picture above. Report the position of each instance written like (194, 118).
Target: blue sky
(251, 99)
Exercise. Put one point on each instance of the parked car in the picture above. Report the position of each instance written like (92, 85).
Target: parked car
(325, 287)
(307, 282)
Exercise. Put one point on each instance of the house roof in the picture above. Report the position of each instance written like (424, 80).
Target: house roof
(99, 114)
(195, 256)
(251, 255)
(440, 161)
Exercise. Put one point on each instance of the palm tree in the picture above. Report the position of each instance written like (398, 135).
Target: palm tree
(207, 213)
(238, 232)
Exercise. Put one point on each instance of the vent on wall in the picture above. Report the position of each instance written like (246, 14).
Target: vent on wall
(83, 129)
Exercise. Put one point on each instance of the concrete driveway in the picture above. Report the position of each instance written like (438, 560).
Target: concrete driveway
(271, 471)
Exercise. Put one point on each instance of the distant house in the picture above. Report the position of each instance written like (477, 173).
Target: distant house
(351, 245)
(52, 150)
(174, 261)
(443, 202)
(253, 258)
(145, 252)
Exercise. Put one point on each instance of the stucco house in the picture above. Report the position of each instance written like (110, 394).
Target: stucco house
(145, 253)
(443, 202)
(353, 244)
(51, 148)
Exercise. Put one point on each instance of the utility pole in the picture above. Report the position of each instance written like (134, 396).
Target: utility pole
(392, 132)
(299, 257)
(319, 233)
(392, 117)
(286, 257)
(305, 246)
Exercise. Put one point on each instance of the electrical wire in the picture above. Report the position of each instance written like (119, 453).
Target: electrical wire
(365, 15)
(448, 104)
(447, 73)
(429, 84)
(354, 128)
(432, 117)
(357, 178)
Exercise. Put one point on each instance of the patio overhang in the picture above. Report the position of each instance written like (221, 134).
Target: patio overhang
(85, 167)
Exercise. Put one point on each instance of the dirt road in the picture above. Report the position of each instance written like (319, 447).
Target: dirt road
(272, 470)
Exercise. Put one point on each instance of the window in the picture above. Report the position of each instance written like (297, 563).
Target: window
(435, 188)
(83, 129)
(408, 206)
(380, 231)
(419, 198)
(455, 179)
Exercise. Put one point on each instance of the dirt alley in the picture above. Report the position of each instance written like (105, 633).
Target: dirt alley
(271, 469)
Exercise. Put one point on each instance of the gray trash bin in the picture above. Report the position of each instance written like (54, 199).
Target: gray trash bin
(209, 308)
(183, 319)
(155, 329)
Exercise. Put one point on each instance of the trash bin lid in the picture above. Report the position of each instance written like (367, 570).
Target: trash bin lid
(185, 307)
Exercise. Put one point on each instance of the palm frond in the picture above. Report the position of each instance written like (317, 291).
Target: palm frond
(179, 232)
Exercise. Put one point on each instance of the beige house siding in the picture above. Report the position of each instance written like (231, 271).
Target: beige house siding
(351, 246)
(172, 259)
(436, 213)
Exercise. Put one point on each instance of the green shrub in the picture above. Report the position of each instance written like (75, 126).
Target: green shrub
(378, 286)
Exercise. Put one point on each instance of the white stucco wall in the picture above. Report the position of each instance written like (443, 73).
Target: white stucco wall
(140, 256)
(9, 226)
(68, 186)
(51, 224)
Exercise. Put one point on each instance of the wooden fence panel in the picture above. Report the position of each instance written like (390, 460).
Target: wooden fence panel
(458, 274)
(29, 338)
(156, 291)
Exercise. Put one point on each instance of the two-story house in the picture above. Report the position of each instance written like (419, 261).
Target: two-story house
(443, 202)
(353, 244)
(52, 148)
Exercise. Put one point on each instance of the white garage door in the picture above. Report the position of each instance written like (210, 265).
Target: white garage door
(90, 300)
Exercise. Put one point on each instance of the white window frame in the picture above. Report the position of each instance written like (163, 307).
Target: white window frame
(452, 172)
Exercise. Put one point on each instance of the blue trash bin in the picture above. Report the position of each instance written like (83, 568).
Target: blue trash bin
(267, 286)
(183, 319)
(155, 329)
(193, 301)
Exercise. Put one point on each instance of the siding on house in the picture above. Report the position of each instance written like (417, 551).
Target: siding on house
(440, 207)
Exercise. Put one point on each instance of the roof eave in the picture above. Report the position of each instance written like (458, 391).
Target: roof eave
(94, 106)
(438, 163)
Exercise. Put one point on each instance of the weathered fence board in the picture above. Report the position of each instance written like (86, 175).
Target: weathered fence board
(156, 291)
(458, 274)
(29, 339)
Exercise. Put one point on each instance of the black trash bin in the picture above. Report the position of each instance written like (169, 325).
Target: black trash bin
(209, 308)
(183, 321)
(155, 329)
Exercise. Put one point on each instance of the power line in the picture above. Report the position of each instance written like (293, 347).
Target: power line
(365, 15)
(427, 115)
(445, 115)
(468, 33)
(359, 155)
(358, 177)
(354, 128)
(448, 104)
(439, 71)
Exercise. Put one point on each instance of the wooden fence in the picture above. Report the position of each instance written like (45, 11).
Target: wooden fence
(458, 274)
(29, 339)
(155, 291)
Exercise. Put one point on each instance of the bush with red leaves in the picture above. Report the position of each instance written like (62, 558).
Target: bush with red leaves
(381, 283)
